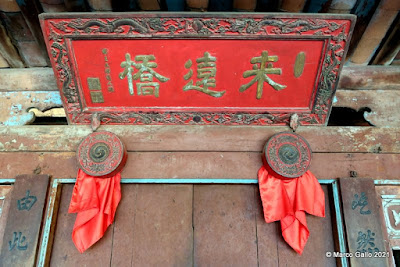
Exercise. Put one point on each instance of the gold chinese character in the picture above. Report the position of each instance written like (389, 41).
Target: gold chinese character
(206, 71)
(260, 73)
(145, 74)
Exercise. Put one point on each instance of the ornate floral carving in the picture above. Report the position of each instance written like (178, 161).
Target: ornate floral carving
(334, 30)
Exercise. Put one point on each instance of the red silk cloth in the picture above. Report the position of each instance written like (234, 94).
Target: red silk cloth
(287, 200)
(95, 200)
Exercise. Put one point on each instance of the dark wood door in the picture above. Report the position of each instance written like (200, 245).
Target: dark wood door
(192, 225)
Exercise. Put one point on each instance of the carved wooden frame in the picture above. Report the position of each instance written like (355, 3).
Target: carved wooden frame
(334, 29)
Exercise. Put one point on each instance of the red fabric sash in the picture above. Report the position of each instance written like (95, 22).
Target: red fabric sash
(287, 200)
(95, 200)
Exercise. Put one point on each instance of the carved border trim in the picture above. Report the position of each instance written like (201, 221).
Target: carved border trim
(336, 28)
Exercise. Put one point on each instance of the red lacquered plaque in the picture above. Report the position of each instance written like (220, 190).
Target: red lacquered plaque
(191, 68)
(101, 154)
(288, 154)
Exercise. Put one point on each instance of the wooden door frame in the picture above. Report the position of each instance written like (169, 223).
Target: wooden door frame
(55, 193)
(46, 240)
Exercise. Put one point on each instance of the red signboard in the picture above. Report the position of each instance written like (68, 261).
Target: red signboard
(197, 68)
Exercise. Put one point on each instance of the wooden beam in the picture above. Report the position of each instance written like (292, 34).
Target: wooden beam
(384, 105)
(8, 52)
(31, 79)
(15, 106)
(201, 138)
(30, 11)
(203, 165)
(370, 78)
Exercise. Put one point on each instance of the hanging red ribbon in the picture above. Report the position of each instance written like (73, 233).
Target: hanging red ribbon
(287, 199)
(95, 200)
(97, 192)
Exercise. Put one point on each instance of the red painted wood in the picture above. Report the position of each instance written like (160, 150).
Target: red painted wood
(232, 60)
(258, 70)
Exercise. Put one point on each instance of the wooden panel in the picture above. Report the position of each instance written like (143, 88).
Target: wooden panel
(321, 240)
(224, 224)
(100, 5)
(390, 198)
(380, 23)
(363, 226)
(21, 234)
(8, 50)
(153, 226)
(201, 138)
(370, 78)
(384, 105)
(32, 79)
(15, 106)
(3, 62)
(293, 5)
(64, 252)
(341, 6)
(9, 6)
(30, 10)
(203, 165)
(5, 201)
(268, 236)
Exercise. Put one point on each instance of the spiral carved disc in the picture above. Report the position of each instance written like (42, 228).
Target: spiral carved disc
(288, 154)
(101, 154)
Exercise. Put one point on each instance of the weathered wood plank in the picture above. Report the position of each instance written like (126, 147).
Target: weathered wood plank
(21, 234)
(201, 138)
(5, 201)
(30, 11)
(32, 79)
(341, 6)
(224, 222)
(203, 165)
(14, 109)
(370, 78)
(384, 105)
(351, 77)
(362, 218)
(8, 51)
(154, 218)
(64, 252)
(268, 235)
(378, 26)
(3, 62)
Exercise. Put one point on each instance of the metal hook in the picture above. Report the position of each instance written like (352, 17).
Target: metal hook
(294, 122)
(95, 124)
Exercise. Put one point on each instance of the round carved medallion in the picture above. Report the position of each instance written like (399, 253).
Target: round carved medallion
(101, 154)
(288, 154)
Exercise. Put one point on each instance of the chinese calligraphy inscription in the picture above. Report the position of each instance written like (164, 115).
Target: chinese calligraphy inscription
(360, 201)
(260, 72)
(145, 74)
(107, 70)
(366, 242)
(21, 233)
(18, 241)
(363, 225)
(26, 202)
(206, 71)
